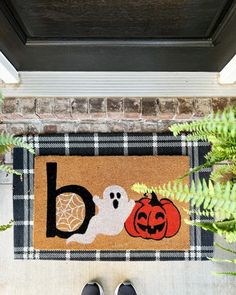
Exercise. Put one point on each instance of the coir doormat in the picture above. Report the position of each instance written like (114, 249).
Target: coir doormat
(82, 207)
(86, 203)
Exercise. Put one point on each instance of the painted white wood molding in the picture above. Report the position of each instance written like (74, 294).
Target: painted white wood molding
(228, 74)
(8, 74)
(117, 84)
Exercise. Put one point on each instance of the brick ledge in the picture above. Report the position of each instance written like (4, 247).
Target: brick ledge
(82, 114)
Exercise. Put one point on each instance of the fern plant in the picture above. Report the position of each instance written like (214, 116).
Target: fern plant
(217, 197)
(7, 142)
(6, 226)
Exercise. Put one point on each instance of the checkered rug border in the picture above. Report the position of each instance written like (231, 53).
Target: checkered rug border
(93, 144)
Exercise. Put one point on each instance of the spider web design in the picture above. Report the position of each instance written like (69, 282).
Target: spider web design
(70, 212)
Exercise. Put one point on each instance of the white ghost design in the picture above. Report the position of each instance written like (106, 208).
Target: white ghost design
(113, 210)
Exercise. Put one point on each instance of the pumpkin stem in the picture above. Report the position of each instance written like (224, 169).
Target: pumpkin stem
(154, 200)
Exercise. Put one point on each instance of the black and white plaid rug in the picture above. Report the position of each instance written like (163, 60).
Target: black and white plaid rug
(90, 144)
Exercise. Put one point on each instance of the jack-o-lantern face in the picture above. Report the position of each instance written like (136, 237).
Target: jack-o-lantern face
(150, 222)
(153, 219)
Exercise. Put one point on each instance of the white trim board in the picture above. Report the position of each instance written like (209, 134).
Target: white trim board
(228, 74)
(7, 72)
(116, 84)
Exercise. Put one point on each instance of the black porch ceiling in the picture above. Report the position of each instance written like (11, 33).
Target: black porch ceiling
(118, 35)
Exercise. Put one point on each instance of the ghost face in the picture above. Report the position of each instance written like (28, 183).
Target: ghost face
(116, 196)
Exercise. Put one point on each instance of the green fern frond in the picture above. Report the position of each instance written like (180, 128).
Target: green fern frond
(221, 172)
(207, 164)
(226, 229)
(141, 188)
(9, 170)
(215, 156)
(221, 153)
(204, 225)
(223, 260)
(230, 237)
(195, 136)
(219, 214)
(230, 273)
(224, 248)
(4, 149)
(10, 141)
(216, 198)
(6, 226)
(209, 195)
(7, 142)
(221, 123)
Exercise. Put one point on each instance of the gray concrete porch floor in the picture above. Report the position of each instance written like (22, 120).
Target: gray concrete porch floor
(60, 278)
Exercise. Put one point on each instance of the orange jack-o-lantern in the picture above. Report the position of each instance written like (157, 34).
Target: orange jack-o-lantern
(153, 219)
